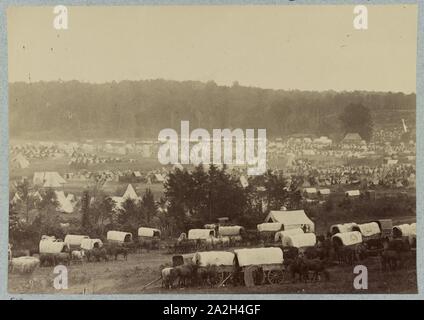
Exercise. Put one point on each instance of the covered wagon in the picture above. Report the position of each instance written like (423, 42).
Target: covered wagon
(230, 231)
(267, 230)
(413, 236)
(368, 231)
(74, 241)
(279, 236)
(303, 240)
(119, 237)
(149, 237)
(406, 232)
(200, 239)
(221, 261)
(200, 234)
(210, 226)
(402, 231)
(89, 244)
(268, 262)
(386, 228)
(52, 246)
(342, 228)
(149, 232)
(234, 233)
(347, 239)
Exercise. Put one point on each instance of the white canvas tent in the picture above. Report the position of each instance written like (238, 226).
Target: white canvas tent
(20, 161)
(244, 182)
(159, 177)
(65, 205)
(310, 191)
(324, 192)
(48, 179)
(130, 194)
(291, 219)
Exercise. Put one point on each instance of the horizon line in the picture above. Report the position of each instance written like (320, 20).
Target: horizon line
(209, 81)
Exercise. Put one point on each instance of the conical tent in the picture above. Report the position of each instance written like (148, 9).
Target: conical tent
(130, 193)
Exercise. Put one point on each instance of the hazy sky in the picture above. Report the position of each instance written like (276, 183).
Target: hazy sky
(287, 47)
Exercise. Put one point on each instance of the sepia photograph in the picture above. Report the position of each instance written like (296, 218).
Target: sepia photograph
(212, 149)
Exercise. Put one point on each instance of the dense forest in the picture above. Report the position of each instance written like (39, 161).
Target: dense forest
(140, 109)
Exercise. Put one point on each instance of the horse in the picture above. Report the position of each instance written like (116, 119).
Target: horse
(114, 251)
(97, 254)
(186, 274)
(318, 267)
(297, 266)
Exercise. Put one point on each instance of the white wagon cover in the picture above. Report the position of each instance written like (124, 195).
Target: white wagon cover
(300, 240)
(279, 236)
(51, 246)
(271, 226)
(74, 239)
(259, 256)
(344, 227)
(368, 229)
(349, 238)
(200, 234)
(405, 229)
(117, 235)
(88, 244)
(229, 230)
(353, 193)
(214, 258)
(147, 232)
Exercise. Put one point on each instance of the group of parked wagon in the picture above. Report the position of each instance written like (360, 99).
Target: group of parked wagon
(211, 237)
(218, 267)
(290, 246)
(77, 248)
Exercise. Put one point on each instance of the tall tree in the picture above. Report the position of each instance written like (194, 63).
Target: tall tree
(356, 118)
(85, 211)
(149, 205)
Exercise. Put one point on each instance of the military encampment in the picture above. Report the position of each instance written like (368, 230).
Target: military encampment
(212, 150)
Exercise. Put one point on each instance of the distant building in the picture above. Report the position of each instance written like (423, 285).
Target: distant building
(352, 138)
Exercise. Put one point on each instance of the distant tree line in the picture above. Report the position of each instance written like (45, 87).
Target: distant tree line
(140, 109)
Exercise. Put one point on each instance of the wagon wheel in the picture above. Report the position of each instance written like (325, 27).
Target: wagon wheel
(217, 279)
(275, 276)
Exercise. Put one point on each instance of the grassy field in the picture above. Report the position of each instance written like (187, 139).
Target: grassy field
(129, 277)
